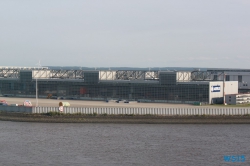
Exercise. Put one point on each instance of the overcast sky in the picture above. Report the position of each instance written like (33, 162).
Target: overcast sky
(125, 33)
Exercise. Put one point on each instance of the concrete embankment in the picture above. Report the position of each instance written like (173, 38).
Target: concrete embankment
(126, 119)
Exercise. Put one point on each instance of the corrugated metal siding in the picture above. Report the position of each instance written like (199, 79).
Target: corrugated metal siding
(144, 111)
(135, 111)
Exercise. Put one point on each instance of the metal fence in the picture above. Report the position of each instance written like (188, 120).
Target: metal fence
(135, 111)
(145, 111)
(16, 109)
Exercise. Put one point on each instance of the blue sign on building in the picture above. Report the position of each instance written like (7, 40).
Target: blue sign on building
(215, 88)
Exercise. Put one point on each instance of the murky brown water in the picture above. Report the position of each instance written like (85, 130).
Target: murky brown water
(24, 143)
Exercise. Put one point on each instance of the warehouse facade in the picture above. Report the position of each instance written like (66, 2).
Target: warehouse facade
(133, 85)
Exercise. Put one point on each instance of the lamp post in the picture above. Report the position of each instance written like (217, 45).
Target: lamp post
(36, 94)
(224, 98)
(37, 72)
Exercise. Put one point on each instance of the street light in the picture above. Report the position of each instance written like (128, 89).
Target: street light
(36, 94)
(39, 66)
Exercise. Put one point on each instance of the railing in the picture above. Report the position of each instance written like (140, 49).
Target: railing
(145, 111)
(135, 111)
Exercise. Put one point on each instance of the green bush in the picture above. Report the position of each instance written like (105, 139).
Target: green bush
(53, 113)
(129, 114)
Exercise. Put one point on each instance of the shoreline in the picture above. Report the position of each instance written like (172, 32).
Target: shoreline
(124, 119)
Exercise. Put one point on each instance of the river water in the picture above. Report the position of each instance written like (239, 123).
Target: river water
(23, 143)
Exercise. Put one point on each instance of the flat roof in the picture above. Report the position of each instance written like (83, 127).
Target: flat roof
(228, 69)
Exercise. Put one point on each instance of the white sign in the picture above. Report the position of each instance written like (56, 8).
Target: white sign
(61, 108)
(216, 88)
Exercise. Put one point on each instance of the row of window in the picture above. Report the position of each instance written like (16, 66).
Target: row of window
(228, 78)
(109, 90)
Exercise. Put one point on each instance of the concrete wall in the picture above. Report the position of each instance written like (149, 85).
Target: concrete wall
(216, 90)
(16, 109)
(215, 94)
(231, 87)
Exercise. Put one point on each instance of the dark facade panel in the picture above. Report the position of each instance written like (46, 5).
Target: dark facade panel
(91, 76)
(25, 75)
(167, 78)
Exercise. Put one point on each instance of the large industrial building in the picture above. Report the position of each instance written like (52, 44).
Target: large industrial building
(166, 86)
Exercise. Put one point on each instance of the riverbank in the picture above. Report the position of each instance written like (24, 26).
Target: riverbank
(126, 119)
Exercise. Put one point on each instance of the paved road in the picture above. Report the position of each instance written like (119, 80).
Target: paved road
(84, 103)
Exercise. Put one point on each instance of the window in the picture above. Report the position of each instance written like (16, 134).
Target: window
(227, 78)
(240, 78)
